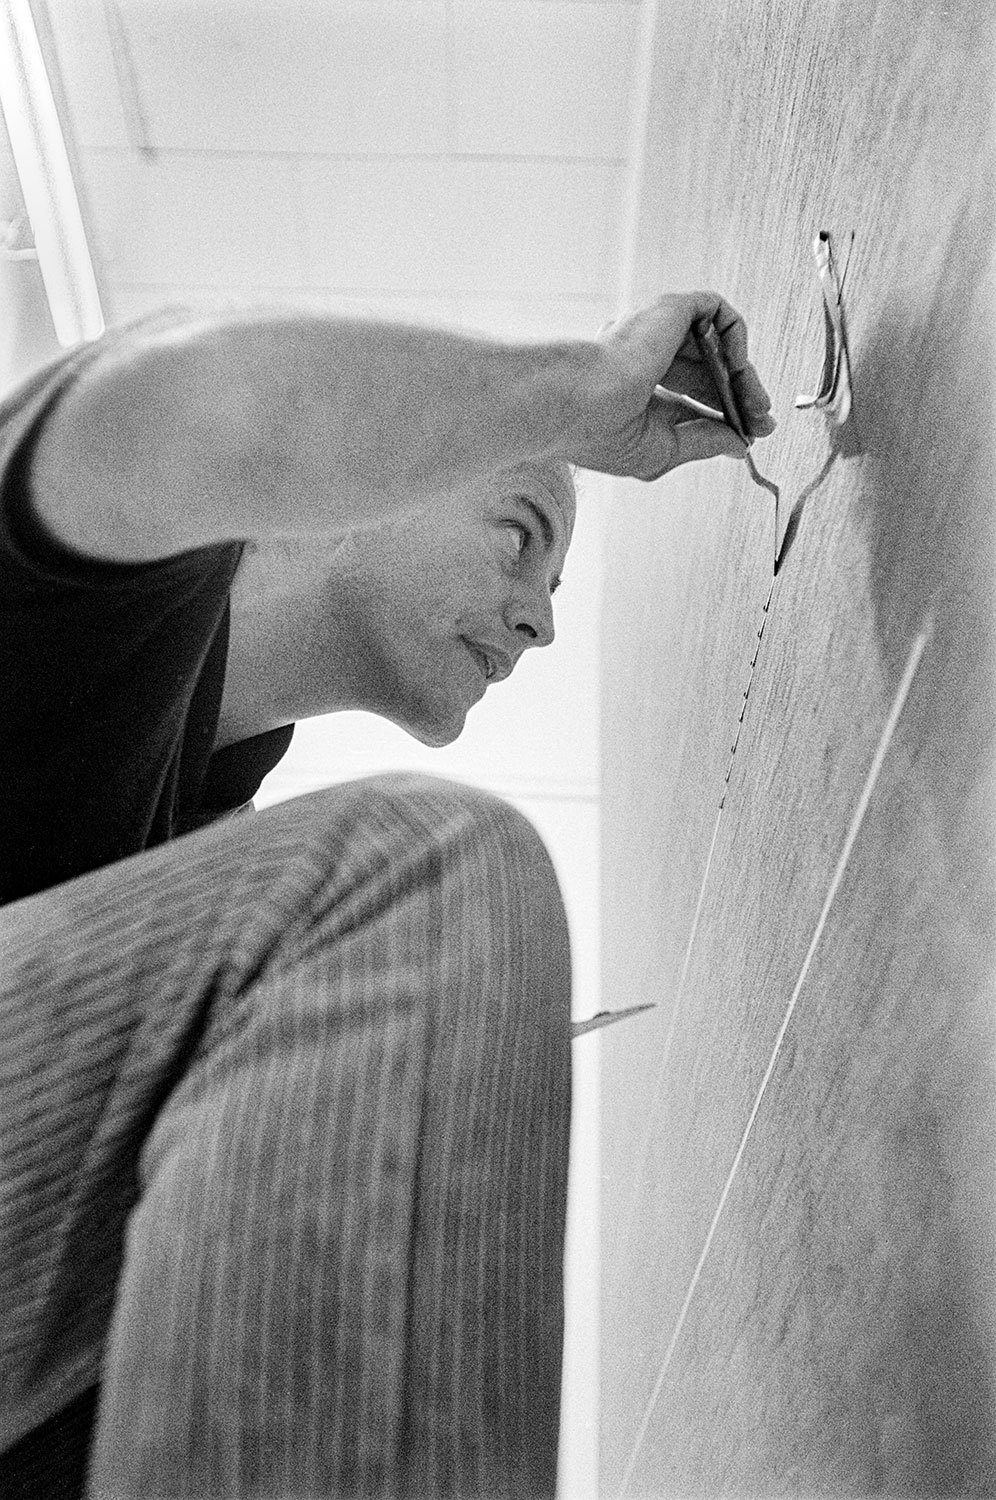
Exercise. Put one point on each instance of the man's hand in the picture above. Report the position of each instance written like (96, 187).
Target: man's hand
(630, 428)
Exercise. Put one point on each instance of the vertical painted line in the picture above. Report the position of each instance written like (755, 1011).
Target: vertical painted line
(686, 962)
(661, 1070)
(919, 646)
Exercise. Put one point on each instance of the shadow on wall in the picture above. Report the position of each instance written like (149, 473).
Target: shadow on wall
(925, 504)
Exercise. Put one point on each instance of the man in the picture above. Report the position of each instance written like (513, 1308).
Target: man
(287, 1096)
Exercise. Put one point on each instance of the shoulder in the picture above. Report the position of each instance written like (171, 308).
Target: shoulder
(114, 462)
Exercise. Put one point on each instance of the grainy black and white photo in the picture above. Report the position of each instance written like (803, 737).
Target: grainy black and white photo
(497, 749)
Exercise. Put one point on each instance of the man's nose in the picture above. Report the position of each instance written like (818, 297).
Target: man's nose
(531, 620)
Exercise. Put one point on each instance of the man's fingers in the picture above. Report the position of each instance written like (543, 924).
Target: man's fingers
(690, 375)
(754, 400)
(752, 397)
(732, 331)
(728, 323)
(692, 379)
(722, 313)
(705, 439)
(761, 424)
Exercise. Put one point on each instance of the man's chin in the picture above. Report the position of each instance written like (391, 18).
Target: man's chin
(437, 732)
(438, 737)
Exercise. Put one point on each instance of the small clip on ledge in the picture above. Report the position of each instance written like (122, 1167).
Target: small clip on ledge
(834, 394)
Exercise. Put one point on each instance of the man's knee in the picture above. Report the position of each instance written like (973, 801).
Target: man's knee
(471, 866)
(439, 805)
(399, 815)
(499, 852)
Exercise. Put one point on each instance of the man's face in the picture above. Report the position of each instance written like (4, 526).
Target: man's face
(446, 600)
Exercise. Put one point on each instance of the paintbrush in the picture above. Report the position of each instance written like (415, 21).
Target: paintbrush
(711, 350)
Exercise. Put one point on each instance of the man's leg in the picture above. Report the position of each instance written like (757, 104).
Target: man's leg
(341, 1069)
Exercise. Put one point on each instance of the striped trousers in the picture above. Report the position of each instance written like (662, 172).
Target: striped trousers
(284, 1142)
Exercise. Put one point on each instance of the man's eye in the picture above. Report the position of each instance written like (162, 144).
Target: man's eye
(520, 534)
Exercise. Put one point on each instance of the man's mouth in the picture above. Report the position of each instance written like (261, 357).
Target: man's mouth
(495, 666)
(483, 660)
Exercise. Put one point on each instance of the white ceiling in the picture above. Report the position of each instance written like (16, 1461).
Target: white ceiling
(459, 160)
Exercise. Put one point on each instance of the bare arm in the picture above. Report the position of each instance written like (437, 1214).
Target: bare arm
(301, 425)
